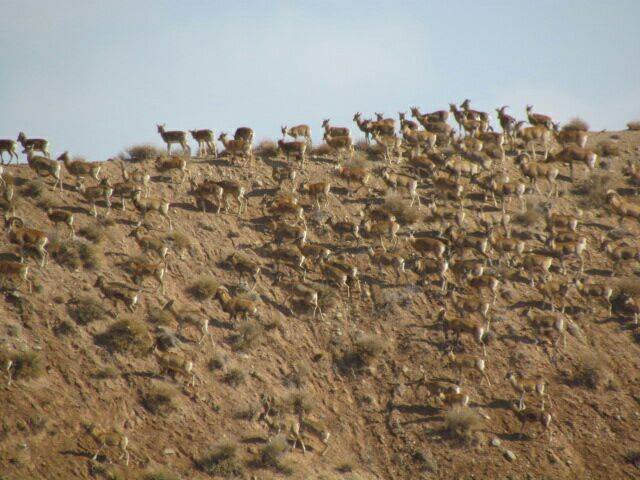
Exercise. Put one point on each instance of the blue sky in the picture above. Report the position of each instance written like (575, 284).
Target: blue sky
(96, 76)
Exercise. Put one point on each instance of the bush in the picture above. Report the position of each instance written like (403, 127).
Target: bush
(300, 402)
(461, 423)
(576, 124)
(272, 453)
(594, 189)
(365, 349)
(267, 148)
(93, 233)
(33, 188)
(234, 377)
(141, 153)
(216, 362)
(607, 148)
(160, 475)
(633, 456)
(401, 209)
(629, 287)
(248, 336)
(322, 150)
(222, 461)
(159, 399)
(589, 370)
(47, 201)
(180, 240)
(300, 374)
(634, 125)
(27, 365)
(126, 336)
(107, 372)
(64, 252)
(91, 255)
(86, 309)
(204, 287)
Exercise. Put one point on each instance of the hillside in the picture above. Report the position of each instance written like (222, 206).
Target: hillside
(355, 369)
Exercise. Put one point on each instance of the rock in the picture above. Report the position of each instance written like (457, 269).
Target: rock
(510, 455)
(168, 451)
(495, 442)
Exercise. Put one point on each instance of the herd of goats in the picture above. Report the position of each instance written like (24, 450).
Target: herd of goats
(462, 186)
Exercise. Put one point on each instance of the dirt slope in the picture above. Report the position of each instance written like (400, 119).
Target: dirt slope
(381, 426)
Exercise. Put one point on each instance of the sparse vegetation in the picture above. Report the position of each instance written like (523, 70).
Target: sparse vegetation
(248, 336)
(364, 351)
(271, 455)
(234, 376)
(594, 190)
(64, 252)
(160, 475)
(633, 457)
(204, 287)
(607, 148)
(27, 365)
(216, 362)
(401, 208)
(126, 336)
(267, 148)
(33, 188)
(576, 124)
(159, 399)
(300, 402)
(94, 233)
(532, 215)
(322, 150)
(86, 309)
(589, 370)
(90, 255)
(634, 125)
(462, 423)
(141, 153)
(222, 461)
(180, 241)
(629, 287)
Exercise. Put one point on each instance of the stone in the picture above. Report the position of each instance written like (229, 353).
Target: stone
(510, 455)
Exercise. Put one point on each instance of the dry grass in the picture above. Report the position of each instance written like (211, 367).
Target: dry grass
(33, 188)
(462, 423)
(575, 124)
(607, 148)
(532, 215)
(589, 370)
(204, 287)
(629, 287)
(179, 240)
(398, 206)
(365, 349)
(267, 148)
(222, 461)
(300, 375)
(159, 399)
(634, 125)
(248, 336)
(27, 365)
(93, 233)
(271, 455)
(47, 201)
(235, 377)
(322, 150)
(300, 402)
(129, 335)
(159, 475)
(90, 255)
(160, 317)
(64, 251)
(141, 153)
(594, 190)
(86, 309)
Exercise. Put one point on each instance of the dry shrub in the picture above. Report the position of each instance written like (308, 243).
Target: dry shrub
(107, 372)
(141, 153)
(300, 374)
(633, 456)
(47, 201)
(90, 255)
(362, 145)
(179, 240)
(267, 148)
(300, 402)
(160, 475)
(398, 206)
(607, 148)
(462, 423)
(222, 461)
(33, 188)
(634, 125)
(594, 190)
(64, 328)
(365, 349)
(159, 399)
(532, 215)
(86, 309)
(216, 362)
(27, 365)
(589, 370)
(629, 287)
(271, 455)
(576, 124)
(204, 287)
(126, 336)
(93, 233)
(234, 377)
(64, 251)
(322, 150)
(248, 336)
(493, 151)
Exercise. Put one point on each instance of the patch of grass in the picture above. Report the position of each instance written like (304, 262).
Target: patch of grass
(47, 201)
(90, 255)
(300, 374)
(300, 402)
(160, 475)
(532, 215)
(128, 335)
(607, 148)
(629, 287)
(216, 362)
(267, 148)
(107, 372)
(160, 317)
(322, 150)
(63, 251)
(94, 233)
(589, 370)
(272, 454)
(64, 328)
(222, 461)
(249, 412)
(159, 399)
(179, 240)
(141, 153)
(248, 336)
(364, 351)
(633, 456)
(204, 287)
(634, 125)
(462, 423)
(401, 209)
(27, 365)
(234, 377)
(594, 190)
(86, 309)
(576, 124)
(33, 188)
(361, 145)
